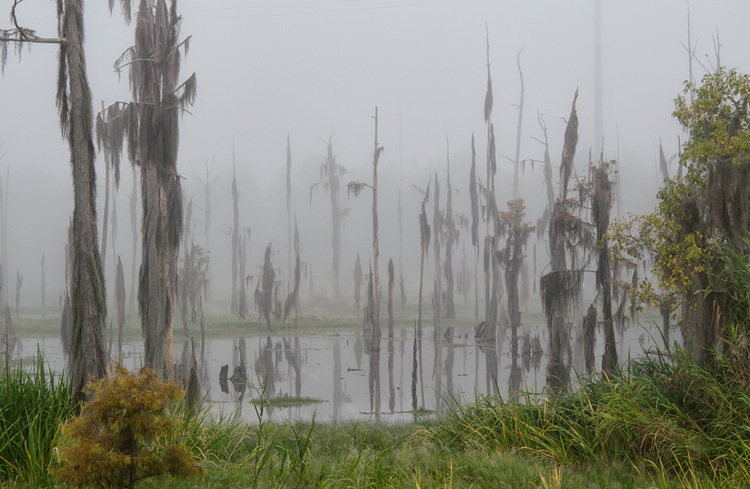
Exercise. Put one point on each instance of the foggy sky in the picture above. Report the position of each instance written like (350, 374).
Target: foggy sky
(312, 69)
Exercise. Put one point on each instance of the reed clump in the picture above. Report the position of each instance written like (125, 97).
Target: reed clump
(33, 404)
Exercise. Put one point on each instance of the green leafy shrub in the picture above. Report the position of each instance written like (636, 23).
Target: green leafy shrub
(125, 434)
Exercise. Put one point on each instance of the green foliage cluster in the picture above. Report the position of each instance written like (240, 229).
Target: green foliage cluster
(124, 434)
(702, 216)
(33, 406)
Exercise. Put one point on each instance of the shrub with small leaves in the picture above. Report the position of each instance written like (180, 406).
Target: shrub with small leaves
(124, 434)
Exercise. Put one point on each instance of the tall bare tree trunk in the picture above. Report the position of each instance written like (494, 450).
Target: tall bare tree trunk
(88, 299)
(105, 214)
(88, 305)
(437, 231)
(424, 233)
(449, 309)
(473, 194)
(134, 232)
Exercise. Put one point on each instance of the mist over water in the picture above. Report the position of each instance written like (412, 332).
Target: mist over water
(312, 73)
(334, 371)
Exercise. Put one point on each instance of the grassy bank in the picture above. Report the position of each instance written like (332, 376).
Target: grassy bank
(33, 405)
(663, 423)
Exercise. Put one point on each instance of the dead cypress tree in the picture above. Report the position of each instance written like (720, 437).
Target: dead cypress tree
(242, 258)
(492, 272)
(451, 238)
(65, 324)
(400, 211)
(292, 300)
(601, 206)
(184, 277)
(151, 125)
(88, 305)
(206, 184)
(437, 231)
(134, 233)
(512, 256)
(268, 280)
(424, 236)
(330, 171)
(561, 287)
(589, 336)
(105, 214)
(356, 188)
(473, 194)
(492, 283)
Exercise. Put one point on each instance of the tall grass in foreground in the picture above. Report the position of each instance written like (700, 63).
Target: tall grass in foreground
(33, 405)
(667, 417)
(262, 452)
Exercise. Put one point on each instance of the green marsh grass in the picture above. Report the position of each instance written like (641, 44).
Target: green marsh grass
(663, 415)
(33, 405)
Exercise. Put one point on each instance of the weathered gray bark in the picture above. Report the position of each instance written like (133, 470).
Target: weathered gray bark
(134, 232)
(331, 171)
(589, 339)
(517, 234)
(601, 206)
(377, 150)
(268, 280)
(105, 214)
(424, 233)
(88, 299)
(451, 237)
(292, 300)
(561, 287)
(151, 124)
(473, 194)
(437, 231)
(242, 298)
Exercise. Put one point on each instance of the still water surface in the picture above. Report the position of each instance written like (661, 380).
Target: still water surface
(353, 379)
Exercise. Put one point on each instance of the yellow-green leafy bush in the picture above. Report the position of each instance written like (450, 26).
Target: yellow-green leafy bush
(125, 434)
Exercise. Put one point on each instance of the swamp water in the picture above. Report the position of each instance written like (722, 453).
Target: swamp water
(343, 377)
